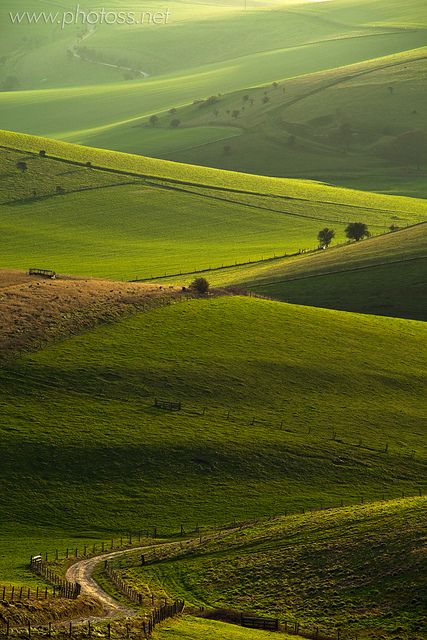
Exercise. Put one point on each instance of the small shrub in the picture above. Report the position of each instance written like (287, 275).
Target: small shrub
(200, 285)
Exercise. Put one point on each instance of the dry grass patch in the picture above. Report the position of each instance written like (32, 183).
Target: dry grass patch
(35, 311)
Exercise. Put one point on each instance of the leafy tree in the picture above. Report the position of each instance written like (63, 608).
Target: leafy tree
(393, 227)
(42, 153)
(175, 123)
(325, 236)
(236, 113)
(357, 231)
(200, 285)
(266, 99)
(154, 120)
(22, 166)
(409, 148)
(172, 111)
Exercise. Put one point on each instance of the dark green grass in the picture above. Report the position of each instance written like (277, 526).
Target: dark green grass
(82, 450)
(357, 569)
(390, 290)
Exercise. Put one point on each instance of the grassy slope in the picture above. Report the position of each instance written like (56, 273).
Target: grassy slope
(96, 457)
(264, 44)
(125, 233)
(311, 108)
(355, 568)
(384, 275)
(189, 628)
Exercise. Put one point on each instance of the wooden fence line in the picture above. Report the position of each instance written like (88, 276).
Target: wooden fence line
(61, 586)
(13, 593)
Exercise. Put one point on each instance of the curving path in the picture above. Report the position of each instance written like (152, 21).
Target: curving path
(82, 571)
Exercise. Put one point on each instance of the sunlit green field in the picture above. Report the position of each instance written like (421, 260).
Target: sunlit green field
(149, 217)
(231, 50)
(189, 628)
(384, 275)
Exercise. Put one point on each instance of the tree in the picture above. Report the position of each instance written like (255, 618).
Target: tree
(393, 227)
(154, 120)
(408, 148)
(22, 166)
(265, 99)
(357, 231)
(200, 285)
(175, 123)
(236, 113)
(42, 153)
(325, 236)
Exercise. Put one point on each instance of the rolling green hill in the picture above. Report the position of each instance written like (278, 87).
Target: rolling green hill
(385, 275)
(190, 628)
(144, 217)
(354, 569)
(335, 125)
(231, 50)
(288, 423)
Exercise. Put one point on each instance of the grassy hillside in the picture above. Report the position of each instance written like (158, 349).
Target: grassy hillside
(332, 125)
(189, 628)
(384, 275)
(231, 50)
(305, 425)
(35, 311)
(162, 216)
(354, 569)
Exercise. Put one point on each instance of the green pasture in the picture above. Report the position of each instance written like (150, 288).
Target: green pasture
(265, 46)
(384, 275)
(354, 569)
(190, 628)
(171, 219)
(304, 406)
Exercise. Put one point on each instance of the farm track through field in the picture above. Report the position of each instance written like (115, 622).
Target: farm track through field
(82, 571)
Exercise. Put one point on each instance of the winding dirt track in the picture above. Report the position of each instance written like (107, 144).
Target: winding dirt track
(82, 571)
